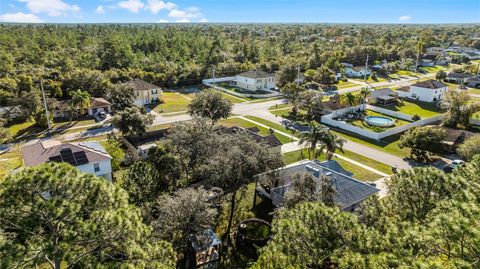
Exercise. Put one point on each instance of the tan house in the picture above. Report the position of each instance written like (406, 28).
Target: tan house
(97, 105)
(145, 93)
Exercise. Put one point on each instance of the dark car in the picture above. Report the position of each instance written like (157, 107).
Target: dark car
(453, 165)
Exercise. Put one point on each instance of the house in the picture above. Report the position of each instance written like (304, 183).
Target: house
(426, 91)
(454, 137)
(145, 93)
(458, 77)
(333, 104)
(349, 192)
(383, 96)
(143, 149)
(459, 49)
(473, 81)
(436, 50)
(255, 80)
(88, 157)
(470, 55)
(97, 105)
(358, 71)
(270, 140)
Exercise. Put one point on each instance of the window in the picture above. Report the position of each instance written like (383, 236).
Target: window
(414, 95)
(138, 93)
(96, 167)
(154, 91)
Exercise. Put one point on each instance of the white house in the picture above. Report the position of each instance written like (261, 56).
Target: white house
(255, 80)
(358, 71)
(458, 77)
(459, 49)
(426, 91)
(471, 55)
(88, 157)
(97, 105)
(145, 93)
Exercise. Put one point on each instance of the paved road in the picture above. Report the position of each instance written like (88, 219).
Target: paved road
(397, 82)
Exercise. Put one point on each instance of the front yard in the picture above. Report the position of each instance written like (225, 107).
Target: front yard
(246, 124)
(173, 102)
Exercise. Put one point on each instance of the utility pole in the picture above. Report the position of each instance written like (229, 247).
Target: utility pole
(213, 70)
(45, 104)
(366, 68)
(418, 55)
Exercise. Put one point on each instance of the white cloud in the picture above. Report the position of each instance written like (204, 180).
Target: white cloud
(50, 7)
(133, 6)
(156, 5)
(183, 20)
(203, 20)
(162, 21)
(405, 18)
(100, 10)
(188, 13)
(20, 17)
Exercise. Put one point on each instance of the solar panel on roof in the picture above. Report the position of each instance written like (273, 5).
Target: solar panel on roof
(56, 158)
(67, 156)
(81, 157)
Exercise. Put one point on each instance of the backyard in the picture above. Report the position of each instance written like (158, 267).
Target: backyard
(360, 122)
(410, 107)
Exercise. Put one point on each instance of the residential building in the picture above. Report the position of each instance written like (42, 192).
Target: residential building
(97, 105)
(255, 80)
(458, 77)
(88, 157)
(426, 63)
(349, 192)
(473, 81)
(383, 96)
(471, 55)
(436, 50)
(459, 49)
(357, 71)
(426, 91)
(145, 93)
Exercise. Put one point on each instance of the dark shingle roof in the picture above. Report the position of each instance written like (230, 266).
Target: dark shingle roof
(141, 85)
(349, 191)
(430, 84)
(255, 74)
(459, 75)
(383, 92)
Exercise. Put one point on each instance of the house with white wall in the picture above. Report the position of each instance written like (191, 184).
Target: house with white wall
(255, 80)
(88, 157)
(357, 71)
(436, 50)
(426, 91)
(145, 93)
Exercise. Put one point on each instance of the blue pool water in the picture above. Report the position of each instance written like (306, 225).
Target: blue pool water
(379, 121)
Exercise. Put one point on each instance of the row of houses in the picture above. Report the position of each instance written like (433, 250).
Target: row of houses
(467, 52)
(464, 78)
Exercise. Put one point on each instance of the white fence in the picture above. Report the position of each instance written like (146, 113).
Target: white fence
(391, 113)
(328, 119)
(210, 83)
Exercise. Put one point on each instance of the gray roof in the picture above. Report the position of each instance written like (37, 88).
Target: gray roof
(430, 84)
(383, 92)
(255, 74)
(42, 152)
(459, 75)
(349, 191)
(141, 85)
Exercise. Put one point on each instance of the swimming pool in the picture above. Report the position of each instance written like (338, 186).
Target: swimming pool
(379, 121)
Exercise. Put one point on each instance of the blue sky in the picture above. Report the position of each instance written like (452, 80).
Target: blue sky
(151, 11)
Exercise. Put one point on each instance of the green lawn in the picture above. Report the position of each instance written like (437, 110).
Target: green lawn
(233, 99)
(246, 124)
(9, 161)
(71, 124)
(422, 109)
(359, 172)
(404, 73)
(160, 127)
(272, 125)
(363, 125)
(388, 144)
(433, 69)
(474, 91)
(173, 102)
(281, 112)
(346, 84)
(281, 106)
(17, 128)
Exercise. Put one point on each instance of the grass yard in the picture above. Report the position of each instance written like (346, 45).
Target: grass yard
(246, 124)
(474, 91)
(433, 69)
(233, 99)
(281, 112)
(9, 161)
(173, 102)
(17, 129)
(160, 127)
(388, 144)
(422, 109)
(272, 125)
(71, 124)
(359, 172)
(404, 73)
(281, 106)
(346, 84)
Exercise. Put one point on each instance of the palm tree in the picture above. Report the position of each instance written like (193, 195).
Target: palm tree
(330, 143)
(364, 93)
(311, 139)
(349, 99)
(80, 101)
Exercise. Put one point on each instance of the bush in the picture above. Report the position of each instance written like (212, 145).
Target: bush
(416, 117)
(470, 147)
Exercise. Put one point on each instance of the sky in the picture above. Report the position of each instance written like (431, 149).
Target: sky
(240, 11)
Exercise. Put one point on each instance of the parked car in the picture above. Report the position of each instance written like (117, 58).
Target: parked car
(453, 165)
(102, 115)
